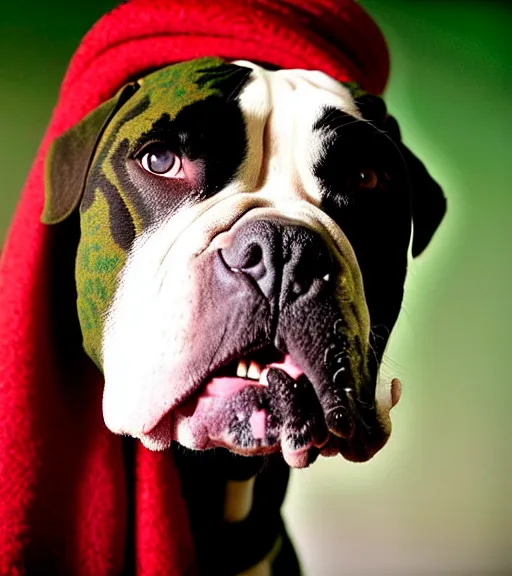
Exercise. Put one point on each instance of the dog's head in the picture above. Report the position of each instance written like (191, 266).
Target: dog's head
(242, 256)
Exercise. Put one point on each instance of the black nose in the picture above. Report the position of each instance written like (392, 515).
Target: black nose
(284, 260)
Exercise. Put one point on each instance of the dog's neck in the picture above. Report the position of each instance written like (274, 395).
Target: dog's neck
(234, 509)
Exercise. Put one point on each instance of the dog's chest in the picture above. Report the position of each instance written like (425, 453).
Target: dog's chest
(235, 516)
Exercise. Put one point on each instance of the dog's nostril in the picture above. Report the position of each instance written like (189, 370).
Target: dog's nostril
(252, 257)
(249, 259)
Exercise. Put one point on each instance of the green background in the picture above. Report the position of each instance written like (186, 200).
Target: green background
(438, 499)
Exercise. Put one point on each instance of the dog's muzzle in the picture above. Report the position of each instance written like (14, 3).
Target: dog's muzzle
(290, 367)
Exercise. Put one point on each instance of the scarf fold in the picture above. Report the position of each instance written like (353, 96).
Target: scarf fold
(64, 495)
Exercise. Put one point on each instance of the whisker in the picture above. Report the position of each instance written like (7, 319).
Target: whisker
(342, 124)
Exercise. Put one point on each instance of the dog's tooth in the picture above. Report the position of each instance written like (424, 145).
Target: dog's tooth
(263, 377)
(254, 371)
(241, 370)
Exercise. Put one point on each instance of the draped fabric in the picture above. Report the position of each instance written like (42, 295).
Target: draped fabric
(70, 503)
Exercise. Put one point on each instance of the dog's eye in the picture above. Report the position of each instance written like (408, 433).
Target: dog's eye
(161, 161)
(367, 179)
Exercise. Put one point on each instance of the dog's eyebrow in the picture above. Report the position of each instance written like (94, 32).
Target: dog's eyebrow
(333, 120)
(195, 125)
(335, 125)
(163, 130)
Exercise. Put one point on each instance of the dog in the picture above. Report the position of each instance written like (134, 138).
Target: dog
(244, 237)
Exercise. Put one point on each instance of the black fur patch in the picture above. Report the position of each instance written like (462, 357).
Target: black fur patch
(224, 547)
(228, 78)
(210, 133)
(376, 222)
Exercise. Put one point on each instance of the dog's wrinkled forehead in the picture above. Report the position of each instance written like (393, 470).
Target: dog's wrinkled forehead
(283, 111)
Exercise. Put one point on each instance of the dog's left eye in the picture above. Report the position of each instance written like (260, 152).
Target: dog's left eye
(370, 179)
(367, 179)
(161, 161)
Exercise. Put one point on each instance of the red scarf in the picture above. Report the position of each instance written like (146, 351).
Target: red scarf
(63, 496)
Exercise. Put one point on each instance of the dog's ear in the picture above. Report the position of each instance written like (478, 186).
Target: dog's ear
(428, 202)
(70, 155)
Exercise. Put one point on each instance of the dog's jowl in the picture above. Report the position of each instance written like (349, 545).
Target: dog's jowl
(241, 263)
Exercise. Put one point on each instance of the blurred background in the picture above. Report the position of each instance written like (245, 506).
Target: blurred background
(438, 499)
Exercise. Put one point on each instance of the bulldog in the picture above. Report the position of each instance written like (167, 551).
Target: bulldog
(244, 238)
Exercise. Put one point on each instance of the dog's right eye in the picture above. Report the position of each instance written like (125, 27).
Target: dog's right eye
(159, 160)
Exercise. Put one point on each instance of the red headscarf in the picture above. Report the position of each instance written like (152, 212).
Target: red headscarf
(63, 496)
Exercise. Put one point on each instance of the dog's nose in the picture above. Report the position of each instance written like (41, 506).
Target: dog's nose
(283, 259)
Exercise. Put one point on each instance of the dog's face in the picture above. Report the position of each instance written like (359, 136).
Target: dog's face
(243, 251)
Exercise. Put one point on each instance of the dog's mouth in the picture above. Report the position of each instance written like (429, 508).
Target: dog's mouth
(250, 369)
(260, 403)
(252, 407)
